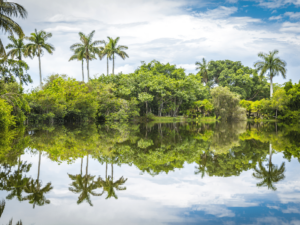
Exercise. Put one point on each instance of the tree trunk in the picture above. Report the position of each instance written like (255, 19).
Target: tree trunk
(271, 86)
(88, 69)
(270, 152)
(276, 113)
(112, 172)
(107, 65)
(87, 165)
(106, 170)
(81, 166)
(113, 64)
(82, 72)
(146, 107)
(39, 166)
(40, 71)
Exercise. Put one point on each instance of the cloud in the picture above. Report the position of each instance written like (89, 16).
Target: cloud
(291, 210)
(275, 17)
(278, 3)
(219, 12)
(293, 15)
(290, 27)
(62, 29)
(232, 1)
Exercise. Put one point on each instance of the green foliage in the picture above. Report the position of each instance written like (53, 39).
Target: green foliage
(13, 94)
(238, 78)
(226, 104)
(162, 89)
(6, 118)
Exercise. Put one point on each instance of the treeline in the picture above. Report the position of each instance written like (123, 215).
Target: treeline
(154, 89)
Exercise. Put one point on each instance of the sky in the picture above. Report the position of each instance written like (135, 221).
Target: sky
(179, 32)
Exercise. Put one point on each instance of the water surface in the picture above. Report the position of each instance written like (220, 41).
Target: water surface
(175, 173)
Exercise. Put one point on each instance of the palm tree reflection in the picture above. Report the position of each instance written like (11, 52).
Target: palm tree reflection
(36, 191)
(269, 176)
(84, 184)
(109, 185)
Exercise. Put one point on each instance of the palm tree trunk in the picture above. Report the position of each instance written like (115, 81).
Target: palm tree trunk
(81, 166)
(113, 64)
(106, 171)
(82, 72)
(39, 166)
(271, 86)
(88, 69)
(107, 65)
(40, 72)
(112, 172)
(270, 153)
(87, 164)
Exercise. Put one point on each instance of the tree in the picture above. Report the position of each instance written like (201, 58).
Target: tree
(104, 51)
(280, 100)
(8, 10)
(113, 48)
(85, 185)
(37, 47)
(17, 47)
(271, 64)
(86, 49)
(35, 191)
(10, 69)
(203, 70)
(270, 176)
(16, 182)
(226, 104)
(81, 58)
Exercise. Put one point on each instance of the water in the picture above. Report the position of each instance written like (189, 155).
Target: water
(234, 173)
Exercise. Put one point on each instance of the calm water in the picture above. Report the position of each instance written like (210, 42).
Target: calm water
(151, 174)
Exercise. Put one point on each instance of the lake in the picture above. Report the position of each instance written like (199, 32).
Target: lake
(175, 173)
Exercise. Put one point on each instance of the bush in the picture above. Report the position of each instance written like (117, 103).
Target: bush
(227, 104)
(6, 118)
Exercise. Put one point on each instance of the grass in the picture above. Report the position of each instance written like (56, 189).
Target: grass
(167, 119)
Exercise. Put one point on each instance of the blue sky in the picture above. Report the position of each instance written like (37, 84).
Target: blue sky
(180, 32)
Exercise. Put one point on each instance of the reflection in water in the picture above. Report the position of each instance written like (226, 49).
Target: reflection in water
(269, 176)
(220, 150)
(84, 184)
(2, 207)
(36, 191)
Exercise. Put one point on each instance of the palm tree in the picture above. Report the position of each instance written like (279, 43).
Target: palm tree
(37, 46)
(81, 58)
(104, 51)
(2, 207)
(17, 182)
(113, 48)
(17, 47)
(33, 187)
(87, 48)
(37, 193)
(109, 185)
(85, 185)
(272, 64)
(8, 10)
(203, 70)
(270, 176)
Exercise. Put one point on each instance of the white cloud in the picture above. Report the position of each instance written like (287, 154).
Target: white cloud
(293, 15)
(275, 17)
(232, 1)
(278, 3)
(291, 210)
(290, 27)
(219, 12)
(62, 29)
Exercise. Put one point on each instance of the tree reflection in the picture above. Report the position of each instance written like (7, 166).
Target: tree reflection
(36, 191)
(109, 185)
(84, 184)
(269, 176)
(16, 182)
